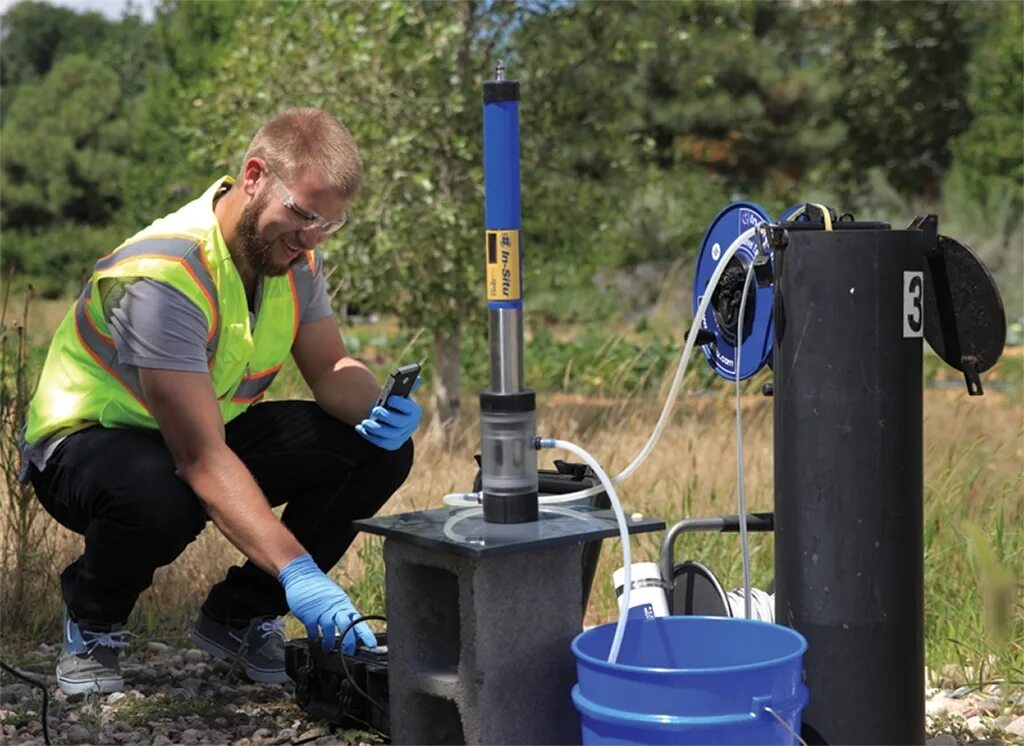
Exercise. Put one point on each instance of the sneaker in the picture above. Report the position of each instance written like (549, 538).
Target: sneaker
(257, 648)
(88, 657)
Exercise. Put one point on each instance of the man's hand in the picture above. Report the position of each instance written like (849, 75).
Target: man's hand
(322, 605)
(389, 427)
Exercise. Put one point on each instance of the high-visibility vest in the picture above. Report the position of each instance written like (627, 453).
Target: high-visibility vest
(82, 382)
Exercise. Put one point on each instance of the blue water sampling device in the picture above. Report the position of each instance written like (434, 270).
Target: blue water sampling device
(508, 420)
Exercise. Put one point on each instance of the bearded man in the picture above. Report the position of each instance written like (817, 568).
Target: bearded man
(147, 420)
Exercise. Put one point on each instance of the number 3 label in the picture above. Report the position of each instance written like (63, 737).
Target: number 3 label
(913, 304)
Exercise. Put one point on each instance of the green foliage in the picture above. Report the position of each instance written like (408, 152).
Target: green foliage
(367, 589)
(972, 567)
(992, 225)
(989, 156)
(58, 261)
(71, 152)
(644, 119)
(665, 216)
(36, 34)
(639, 120)
(187, 41)
(901, 74)
(101, 133)
(561, 290)
(592, 361)
(413, 245)
(673, 88)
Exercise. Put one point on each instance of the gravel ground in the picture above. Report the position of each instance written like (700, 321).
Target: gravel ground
(182, 696)
(171, 696)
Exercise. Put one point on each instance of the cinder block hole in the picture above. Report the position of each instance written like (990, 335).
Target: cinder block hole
(437, 720)
(434, 615)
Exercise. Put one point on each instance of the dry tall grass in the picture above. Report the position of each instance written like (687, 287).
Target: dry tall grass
(974, 474)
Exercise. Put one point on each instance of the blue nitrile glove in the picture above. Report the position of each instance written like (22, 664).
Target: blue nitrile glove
(389, 427)
(318, 601)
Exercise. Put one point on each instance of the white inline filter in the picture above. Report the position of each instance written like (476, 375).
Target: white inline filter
(647, 599)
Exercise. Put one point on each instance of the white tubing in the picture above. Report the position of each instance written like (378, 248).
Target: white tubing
(762, 604)
(472, 499)
(463, 499)
(449, 525)
(740, 486)
(684, 359)
(456, 518)
(620, 517)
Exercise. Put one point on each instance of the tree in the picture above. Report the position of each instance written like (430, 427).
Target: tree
(65, 148)
(659, 113)
(187, 42)
(984, 194)
(406, 79)
(901, 70)
(36, 35)
(990, 154)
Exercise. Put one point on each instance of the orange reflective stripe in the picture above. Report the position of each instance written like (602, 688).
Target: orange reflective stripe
(166, 246)
(98, 345)
(213, 301)
(209, 299)
(268, 372)
(187, 251)
(254, 385)
(295, 303)
(192, 239)
(85, 298)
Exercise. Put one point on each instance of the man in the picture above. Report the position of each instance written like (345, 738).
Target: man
(145, 423)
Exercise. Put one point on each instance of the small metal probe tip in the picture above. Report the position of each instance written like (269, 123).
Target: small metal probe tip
(499, 71)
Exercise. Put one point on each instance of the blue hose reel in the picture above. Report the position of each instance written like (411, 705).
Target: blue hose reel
(722, 316)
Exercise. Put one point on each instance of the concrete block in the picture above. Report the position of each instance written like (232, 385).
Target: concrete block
(478, 647)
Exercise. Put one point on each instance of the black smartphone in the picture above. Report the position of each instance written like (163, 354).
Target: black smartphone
(400, 383)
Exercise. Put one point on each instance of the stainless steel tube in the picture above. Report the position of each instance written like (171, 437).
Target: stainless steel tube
(506, 344)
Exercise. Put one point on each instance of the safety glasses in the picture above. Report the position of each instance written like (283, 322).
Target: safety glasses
(308, 218)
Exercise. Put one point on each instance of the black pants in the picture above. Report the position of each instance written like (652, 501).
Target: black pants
(118, 488)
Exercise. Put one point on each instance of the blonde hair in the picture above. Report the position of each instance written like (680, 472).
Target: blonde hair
(298, 139)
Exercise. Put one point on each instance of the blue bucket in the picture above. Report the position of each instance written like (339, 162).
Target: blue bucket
(690, 680)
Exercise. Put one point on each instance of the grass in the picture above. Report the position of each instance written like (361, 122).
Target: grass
(974, 476)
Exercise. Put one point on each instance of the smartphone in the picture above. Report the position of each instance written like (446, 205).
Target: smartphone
(400, 383)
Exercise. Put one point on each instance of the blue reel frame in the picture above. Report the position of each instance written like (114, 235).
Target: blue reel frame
(756, 345)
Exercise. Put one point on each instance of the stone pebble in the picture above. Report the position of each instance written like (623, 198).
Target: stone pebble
(964, 714)
(171, 696)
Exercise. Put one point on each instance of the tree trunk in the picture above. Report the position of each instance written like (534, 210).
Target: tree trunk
(448, 389)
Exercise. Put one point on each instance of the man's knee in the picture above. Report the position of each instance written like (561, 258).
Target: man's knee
(401, 463)
(164, 526)
(389, 470)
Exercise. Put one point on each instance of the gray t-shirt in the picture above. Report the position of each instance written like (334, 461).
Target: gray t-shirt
(153, 325)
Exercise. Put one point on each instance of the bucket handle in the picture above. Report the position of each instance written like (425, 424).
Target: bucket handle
(758, 705)
(777, 716)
